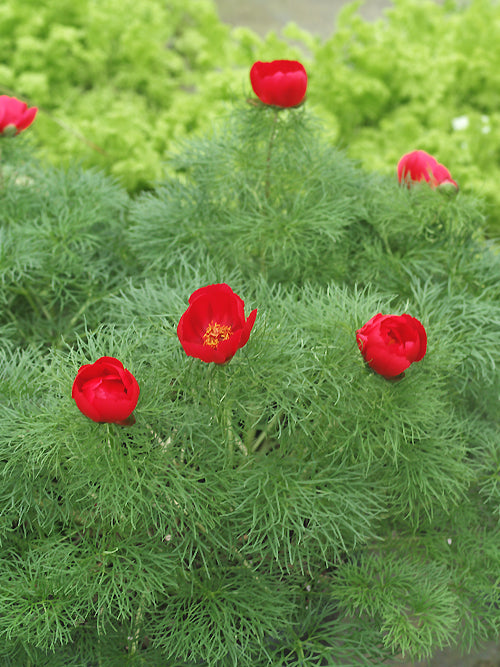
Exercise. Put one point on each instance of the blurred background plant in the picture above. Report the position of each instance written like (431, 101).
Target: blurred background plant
(118, 83)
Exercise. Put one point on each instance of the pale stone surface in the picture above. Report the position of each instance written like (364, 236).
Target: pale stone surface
(316, 16)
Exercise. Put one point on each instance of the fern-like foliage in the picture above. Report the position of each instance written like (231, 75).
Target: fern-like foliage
(290, 507)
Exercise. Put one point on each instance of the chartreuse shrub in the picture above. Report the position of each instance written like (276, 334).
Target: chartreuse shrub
(291, 506)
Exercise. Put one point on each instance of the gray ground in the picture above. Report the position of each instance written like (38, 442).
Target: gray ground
(318, 17)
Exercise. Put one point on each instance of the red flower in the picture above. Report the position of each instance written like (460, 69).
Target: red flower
(15, 115)
(390, 343)
(106, 392)
(214, 325)
(420, 166)
(280, 83)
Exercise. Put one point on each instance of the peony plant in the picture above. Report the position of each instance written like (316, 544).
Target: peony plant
(289, 507)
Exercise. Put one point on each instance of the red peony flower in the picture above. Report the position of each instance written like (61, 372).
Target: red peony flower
(106, 392)
(280, 83)
(390, 343)
(15, 115)
(214, 325)
(420, 166)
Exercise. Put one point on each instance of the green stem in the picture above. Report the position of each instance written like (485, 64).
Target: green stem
(230, 435)
(34, 302)
(300, 650)
(220, 402)
(269, 151)
(137, 625)
(81, 310)
(264, 433)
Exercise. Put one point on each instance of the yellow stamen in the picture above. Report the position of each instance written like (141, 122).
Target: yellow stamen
(215, 333)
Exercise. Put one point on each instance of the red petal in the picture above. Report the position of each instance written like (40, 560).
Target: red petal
(386, 363)
(420, 333)
(247, 328)
(86, 407)
(27, 118)
(219, 303)
(214, 303)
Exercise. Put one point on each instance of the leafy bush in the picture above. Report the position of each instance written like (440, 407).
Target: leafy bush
(289, 507)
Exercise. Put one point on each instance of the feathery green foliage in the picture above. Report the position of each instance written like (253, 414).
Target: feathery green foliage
(61, 249)
(290, 507)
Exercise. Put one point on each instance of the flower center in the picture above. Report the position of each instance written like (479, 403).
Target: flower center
(393, 337)
(215, 333)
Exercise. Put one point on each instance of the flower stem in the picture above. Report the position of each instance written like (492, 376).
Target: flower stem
(269, 151)
(230, 435)
(137, 625)
(263, 435)
(35, 303)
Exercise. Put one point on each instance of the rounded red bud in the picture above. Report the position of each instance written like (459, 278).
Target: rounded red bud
(105, 391)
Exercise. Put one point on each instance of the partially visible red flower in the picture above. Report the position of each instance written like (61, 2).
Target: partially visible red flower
(280, 83)
(105, 391)
(390, 343)
(15, 115)
(214, 325)
(420, 166)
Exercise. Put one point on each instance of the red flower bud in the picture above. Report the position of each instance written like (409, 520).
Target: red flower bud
(420, 166)
(214, 325)
(105, 391)
(14, 115)
(390, 343)
(280, 83)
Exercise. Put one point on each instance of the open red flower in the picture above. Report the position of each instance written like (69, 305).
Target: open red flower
(280, 83)
(390, 343)
(420, 166)
(105, 391)
(214, 325)
(15, 115)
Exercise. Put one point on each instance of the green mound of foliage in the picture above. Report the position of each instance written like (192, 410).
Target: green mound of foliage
(119, 82)
(292, 506)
